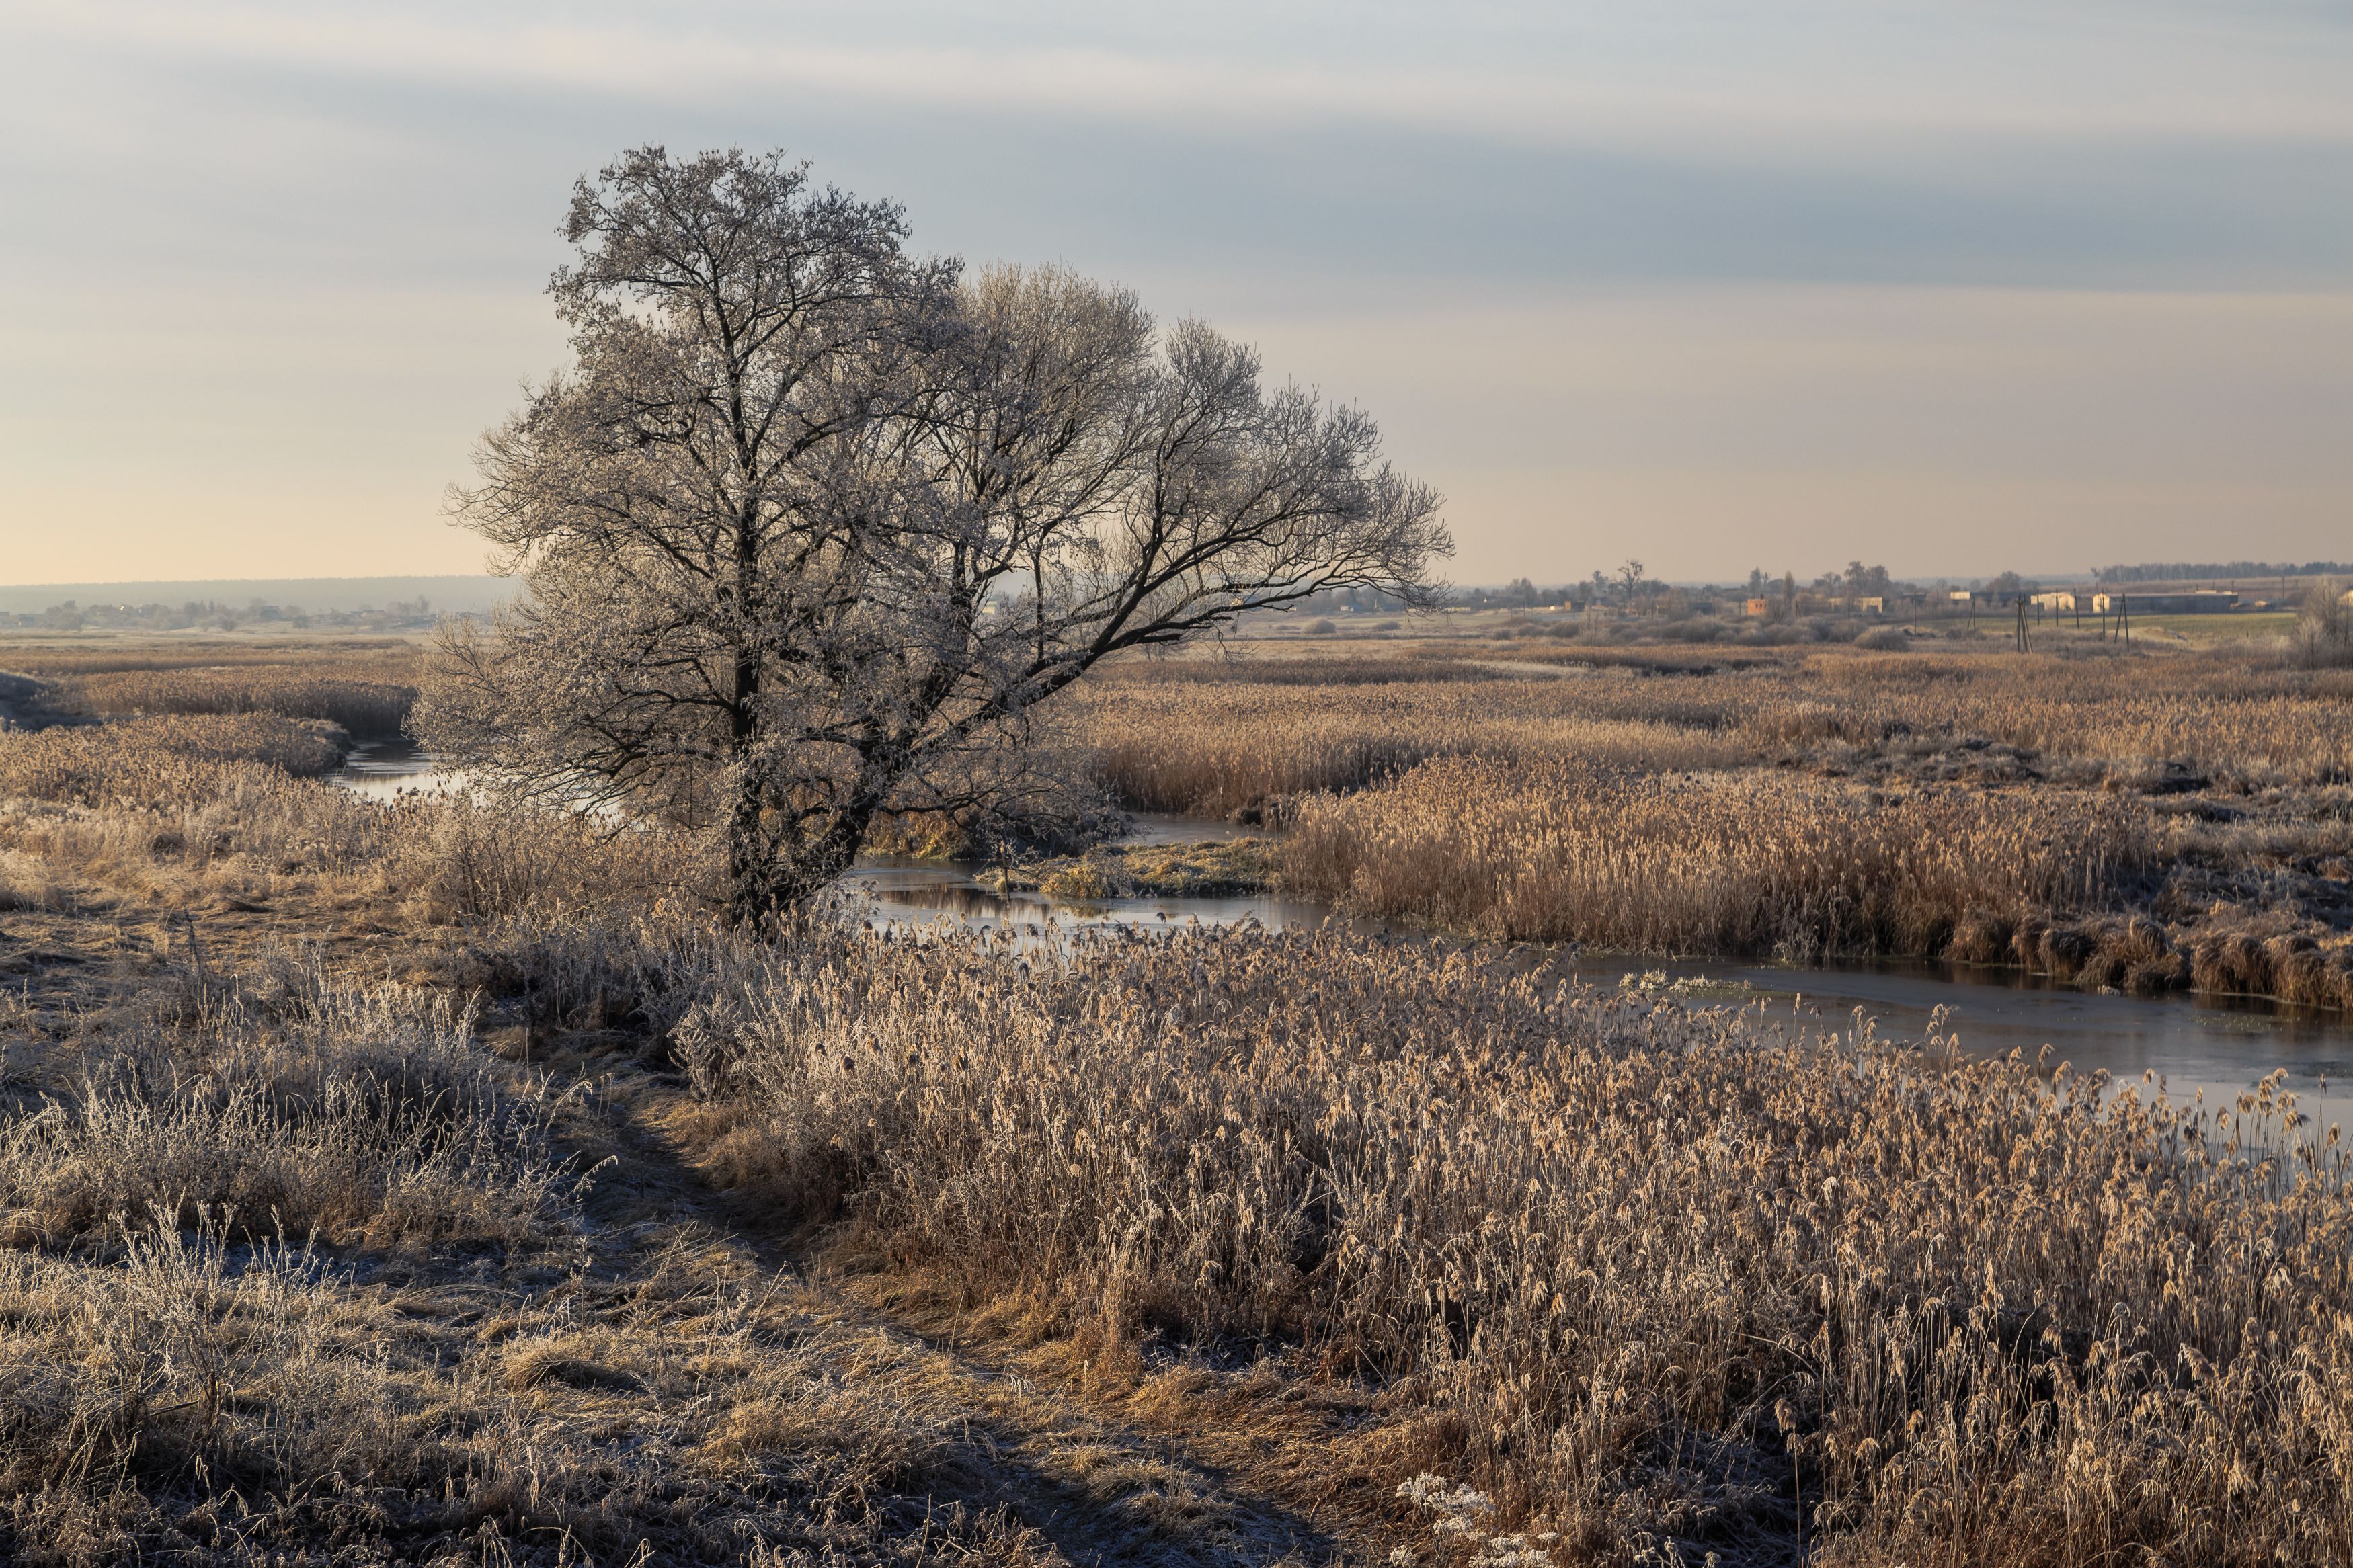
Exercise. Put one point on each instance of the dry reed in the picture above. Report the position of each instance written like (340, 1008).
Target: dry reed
(350, 658)
(1658, 804)
(1214, 748)
(1655, 1282)
(159, 760)
(1220, 738)
(1746, 863)
(170, 809)
(366, 708)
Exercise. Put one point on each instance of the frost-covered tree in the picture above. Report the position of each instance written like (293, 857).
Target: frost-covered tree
(812, 525)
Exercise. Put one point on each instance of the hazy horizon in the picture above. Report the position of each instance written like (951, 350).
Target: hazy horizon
(1715, 284)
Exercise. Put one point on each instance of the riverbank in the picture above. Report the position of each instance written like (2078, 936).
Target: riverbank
(1205, 868)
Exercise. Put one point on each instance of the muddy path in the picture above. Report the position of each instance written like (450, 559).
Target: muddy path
(1187, 1467)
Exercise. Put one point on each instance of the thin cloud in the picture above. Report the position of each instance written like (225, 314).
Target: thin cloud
(2056, 72)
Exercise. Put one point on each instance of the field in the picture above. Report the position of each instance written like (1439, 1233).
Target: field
(2224, 629)
(429, 1183)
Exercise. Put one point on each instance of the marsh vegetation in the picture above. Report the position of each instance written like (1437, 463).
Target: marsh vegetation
(2150, 822)
(440, 1181)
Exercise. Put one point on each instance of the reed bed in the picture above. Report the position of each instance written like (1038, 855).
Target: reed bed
(1608, 1281)
(2048, 810)
(351, 658)
(160, 761)
(1745, 863)
(167, 808)
(1220, 737)
(366, 708)
(1355, 668)
(2242, 723)
(1214, 748)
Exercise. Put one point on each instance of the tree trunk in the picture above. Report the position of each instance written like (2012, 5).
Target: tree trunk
(754, 898)
(772, 877)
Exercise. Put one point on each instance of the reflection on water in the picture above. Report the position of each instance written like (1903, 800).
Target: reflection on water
(921, 895)
(2218, 1045)
(385, 770)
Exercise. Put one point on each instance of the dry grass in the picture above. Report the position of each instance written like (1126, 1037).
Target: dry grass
(25, 883)
(366, 686)
(1723, 863)
(175, 811)
(1216, 748)
(1133, 871)
(296, 1263)
(2041, 810)
(1221, 738)
(1647, 1279)
(362, 707)
(1356, 667)
(160, 761)
(301, 1272)
(351, 658)
(191, 1397)
(300, 1106)
(1770, 863)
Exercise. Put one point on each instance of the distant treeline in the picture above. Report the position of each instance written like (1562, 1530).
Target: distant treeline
(2183, 571)
(208, 615)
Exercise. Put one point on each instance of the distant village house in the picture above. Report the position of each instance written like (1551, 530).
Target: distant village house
(2204, 602)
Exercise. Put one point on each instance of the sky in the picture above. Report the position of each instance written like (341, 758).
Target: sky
(1712, 284)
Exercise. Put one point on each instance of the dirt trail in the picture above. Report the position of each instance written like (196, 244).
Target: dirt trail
(1103, 1487)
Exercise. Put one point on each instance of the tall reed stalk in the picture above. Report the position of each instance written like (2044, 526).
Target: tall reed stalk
(1645, 1276)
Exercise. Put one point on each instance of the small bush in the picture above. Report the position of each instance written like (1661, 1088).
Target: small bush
(2322, 638)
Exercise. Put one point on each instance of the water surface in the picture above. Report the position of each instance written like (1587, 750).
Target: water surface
(2220, 1046)
(385, 770)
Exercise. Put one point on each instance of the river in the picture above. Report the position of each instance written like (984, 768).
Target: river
(385, 770)
(2220, 1046)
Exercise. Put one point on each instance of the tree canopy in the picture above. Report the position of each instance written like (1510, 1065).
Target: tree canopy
(813, 525)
